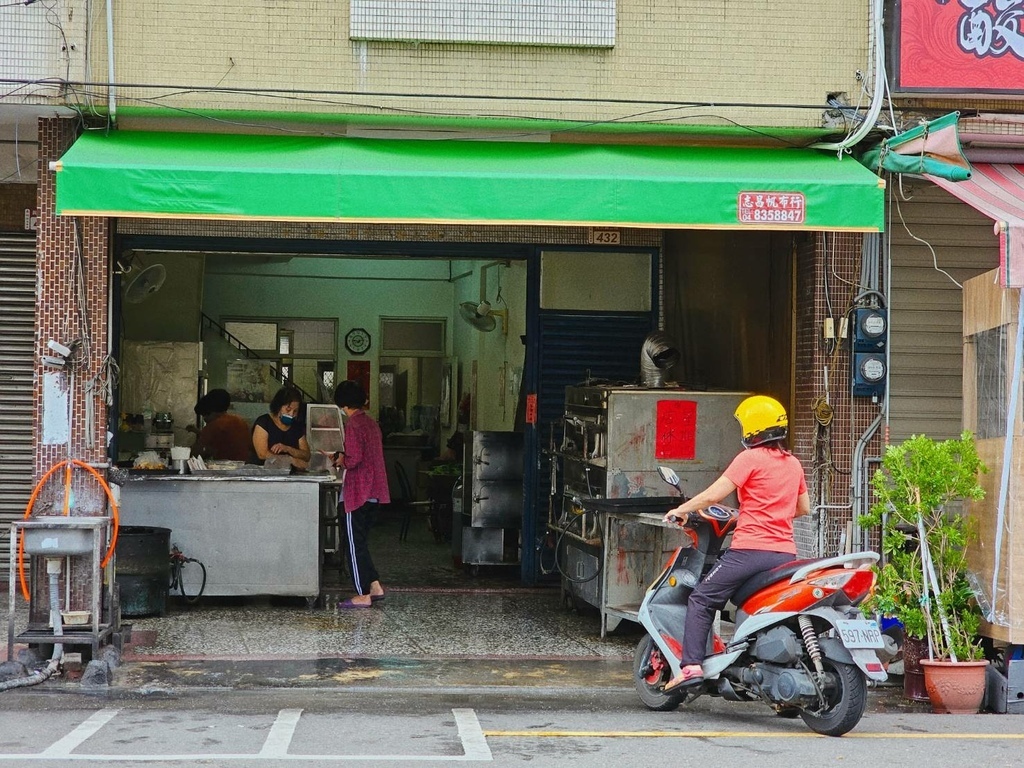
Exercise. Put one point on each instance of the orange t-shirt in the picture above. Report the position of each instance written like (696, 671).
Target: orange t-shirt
(227, 437)
(768, 482)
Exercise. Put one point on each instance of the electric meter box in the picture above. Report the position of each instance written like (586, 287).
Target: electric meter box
(868, 365)
(869, 374)
(870, 329)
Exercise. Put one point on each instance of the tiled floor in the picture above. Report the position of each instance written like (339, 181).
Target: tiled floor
(433, 608)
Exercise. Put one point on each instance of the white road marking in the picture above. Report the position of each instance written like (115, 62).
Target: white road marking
(471, 735)
(474, 743)
(281, 733)
(63, 747)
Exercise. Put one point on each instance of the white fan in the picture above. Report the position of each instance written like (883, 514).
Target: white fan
(146, 282)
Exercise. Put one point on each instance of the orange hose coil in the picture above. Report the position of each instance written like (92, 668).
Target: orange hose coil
(68, 464)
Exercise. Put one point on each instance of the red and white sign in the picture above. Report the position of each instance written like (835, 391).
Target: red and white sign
(961, 45)
(771, 207)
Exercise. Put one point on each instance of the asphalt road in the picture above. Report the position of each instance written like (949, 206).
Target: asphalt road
(524, 725)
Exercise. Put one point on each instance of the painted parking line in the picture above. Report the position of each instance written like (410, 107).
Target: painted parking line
(91, 725)
(281, 733)
(275, 747)
(738, 735)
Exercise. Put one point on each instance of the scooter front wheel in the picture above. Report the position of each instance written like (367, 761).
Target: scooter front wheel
(650, 673)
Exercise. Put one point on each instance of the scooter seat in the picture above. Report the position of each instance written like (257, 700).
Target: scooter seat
(765, 578)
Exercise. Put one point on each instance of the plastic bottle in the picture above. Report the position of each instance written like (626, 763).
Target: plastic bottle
(147, 418)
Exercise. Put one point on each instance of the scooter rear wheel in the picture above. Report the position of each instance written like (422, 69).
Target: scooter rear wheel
(650, 673)
(847, 697)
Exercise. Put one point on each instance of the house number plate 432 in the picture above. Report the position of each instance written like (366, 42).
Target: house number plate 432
(604, 236)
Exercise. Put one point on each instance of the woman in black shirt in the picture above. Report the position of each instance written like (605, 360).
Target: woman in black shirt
(280, 432)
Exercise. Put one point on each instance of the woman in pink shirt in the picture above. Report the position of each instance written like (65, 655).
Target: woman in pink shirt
(364, 487)
(770, 485)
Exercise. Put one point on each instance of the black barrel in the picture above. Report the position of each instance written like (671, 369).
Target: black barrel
(143, 569)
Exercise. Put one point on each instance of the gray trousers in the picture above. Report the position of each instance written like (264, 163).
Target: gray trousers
(721, 583)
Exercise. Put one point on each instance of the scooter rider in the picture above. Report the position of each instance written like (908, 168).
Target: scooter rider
(772, 492)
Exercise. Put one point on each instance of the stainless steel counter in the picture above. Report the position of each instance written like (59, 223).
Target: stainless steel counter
(257, 535)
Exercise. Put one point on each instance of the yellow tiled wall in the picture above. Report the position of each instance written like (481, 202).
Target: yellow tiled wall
(786, 52)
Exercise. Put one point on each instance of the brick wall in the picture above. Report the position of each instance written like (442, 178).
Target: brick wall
(71, 308)
(740, 51)
(828, 268)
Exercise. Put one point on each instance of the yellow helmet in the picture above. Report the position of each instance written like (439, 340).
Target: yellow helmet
(762, 419)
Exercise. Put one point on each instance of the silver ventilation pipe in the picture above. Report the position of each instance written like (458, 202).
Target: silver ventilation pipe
(657, 356)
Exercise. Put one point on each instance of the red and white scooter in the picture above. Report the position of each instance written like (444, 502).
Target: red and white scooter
(801, 645)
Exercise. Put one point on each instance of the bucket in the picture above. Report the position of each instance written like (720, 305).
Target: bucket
(914, 649)
(143, 569)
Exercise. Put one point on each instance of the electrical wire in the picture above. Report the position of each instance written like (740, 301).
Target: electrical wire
(80, 88)
(100, 387)
(935, 258)
(558, 546)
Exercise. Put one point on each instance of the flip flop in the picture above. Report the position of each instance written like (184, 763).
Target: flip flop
(346, 605)
(685, 679)
(376, 598)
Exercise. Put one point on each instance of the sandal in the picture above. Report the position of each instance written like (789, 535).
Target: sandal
(691, 674)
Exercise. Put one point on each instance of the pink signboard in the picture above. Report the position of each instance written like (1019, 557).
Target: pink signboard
(753, 207)
(963, 46)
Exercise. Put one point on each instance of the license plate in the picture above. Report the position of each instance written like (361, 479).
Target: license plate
(860, 633)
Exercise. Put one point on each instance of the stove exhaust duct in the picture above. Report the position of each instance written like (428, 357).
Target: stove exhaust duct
(657, 356)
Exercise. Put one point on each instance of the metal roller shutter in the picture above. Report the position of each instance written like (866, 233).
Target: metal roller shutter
(17, 341)
(926, 309)
(574, 346)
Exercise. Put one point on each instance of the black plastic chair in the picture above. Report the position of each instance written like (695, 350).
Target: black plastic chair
(407, 504)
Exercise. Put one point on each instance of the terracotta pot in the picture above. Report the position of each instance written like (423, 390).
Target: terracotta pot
(955, 688)
(914, 649)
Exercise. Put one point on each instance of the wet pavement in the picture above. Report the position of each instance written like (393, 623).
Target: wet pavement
(441, 626)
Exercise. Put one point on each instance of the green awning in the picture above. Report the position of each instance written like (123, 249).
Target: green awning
(284, 178)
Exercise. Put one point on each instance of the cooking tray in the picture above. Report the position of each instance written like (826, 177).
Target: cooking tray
(640, 504)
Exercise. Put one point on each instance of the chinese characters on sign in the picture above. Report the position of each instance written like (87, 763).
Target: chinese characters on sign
(770, 207)
(989, 27)
(961, 45)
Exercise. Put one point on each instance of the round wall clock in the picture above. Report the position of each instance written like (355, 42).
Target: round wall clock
(357, 341)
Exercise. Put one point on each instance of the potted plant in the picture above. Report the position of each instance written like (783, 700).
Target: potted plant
(925, 534)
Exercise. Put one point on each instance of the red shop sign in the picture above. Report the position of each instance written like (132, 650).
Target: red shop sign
(975, 46)
(771, 207)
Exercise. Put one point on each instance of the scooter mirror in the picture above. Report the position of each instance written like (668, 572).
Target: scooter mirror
(669, 476)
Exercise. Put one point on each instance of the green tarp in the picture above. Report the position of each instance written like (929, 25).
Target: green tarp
(219, 176)
(932, 149)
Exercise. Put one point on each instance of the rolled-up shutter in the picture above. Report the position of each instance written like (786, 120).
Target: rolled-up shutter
(926, 337)
(17, 339)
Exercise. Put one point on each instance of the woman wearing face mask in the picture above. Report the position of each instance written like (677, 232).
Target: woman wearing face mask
(279, 432)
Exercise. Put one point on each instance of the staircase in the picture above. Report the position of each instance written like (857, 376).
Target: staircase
(209, 324)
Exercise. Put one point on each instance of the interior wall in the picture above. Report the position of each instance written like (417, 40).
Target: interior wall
(728, 305)
(172, 312)
(499, 357)
(354, 292)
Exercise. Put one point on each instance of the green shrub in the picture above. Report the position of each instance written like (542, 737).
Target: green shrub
(922, 479)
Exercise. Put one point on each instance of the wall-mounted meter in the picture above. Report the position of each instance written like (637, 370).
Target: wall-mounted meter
(870, 329)
(868, 374)
(867, 361)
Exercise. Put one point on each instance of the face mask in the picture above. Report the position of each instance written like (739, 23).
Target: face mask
(286, 419)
